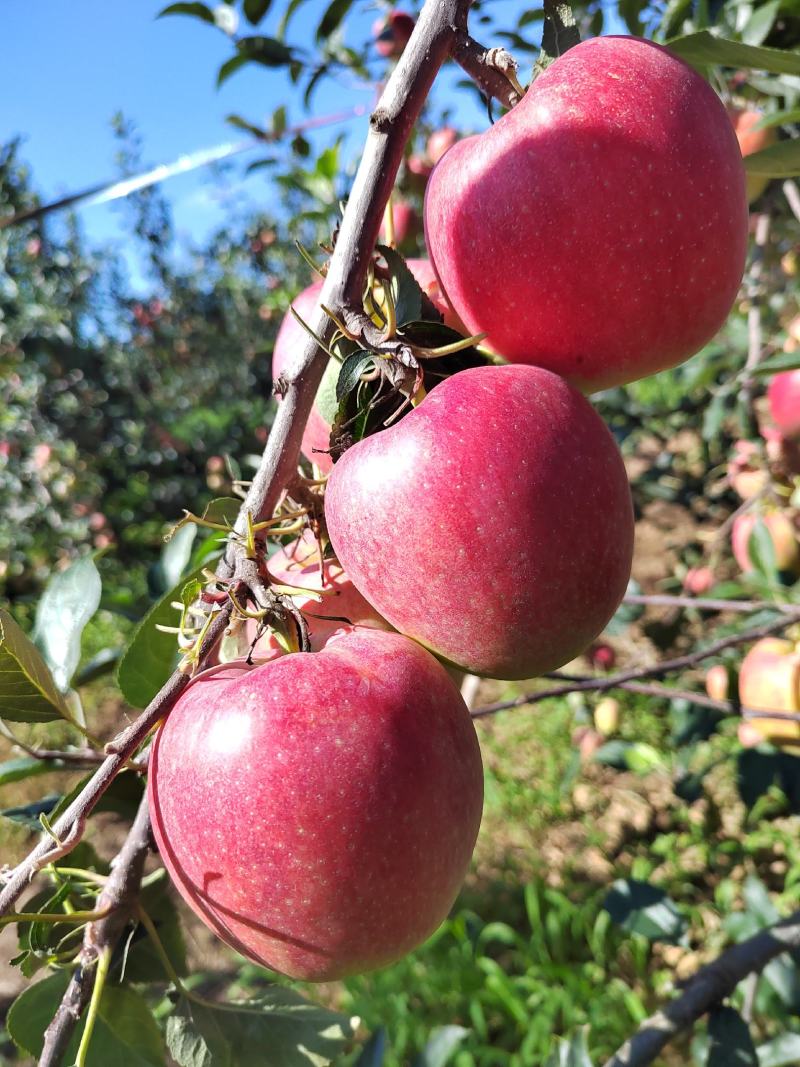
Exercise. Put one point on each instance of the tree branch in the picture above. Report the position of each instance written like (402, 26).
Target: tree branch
(664, 600)
(390, 125)
(711, 985)
(667, 666)
(119, 894)
(493, 70)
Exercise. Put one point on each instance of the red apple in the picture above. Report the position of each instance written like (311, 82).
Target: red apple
(319, 811)
(698, 580)
(493, 523)
(440, 141)
(782, 532)
(392, 34)
(291, 338)
(769, 680)
(342, 605)
(419, 169)
(599, 228)
(745, 472)
(717, 682)
(601, 656)
(784, 402)
(744, 120)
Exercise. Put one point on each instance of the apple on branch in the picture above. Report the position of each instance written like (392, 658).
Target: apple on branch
(599, 228)
(319, 811)
(493, 523)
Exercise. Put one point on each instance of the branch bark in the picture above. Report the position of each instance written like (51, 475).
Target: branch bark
(711, 985)
(390, 124)
(667, 666)
(119, 894)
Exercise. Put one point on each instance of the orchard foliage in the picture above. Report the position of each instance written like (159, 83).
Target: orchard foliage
(667, 812)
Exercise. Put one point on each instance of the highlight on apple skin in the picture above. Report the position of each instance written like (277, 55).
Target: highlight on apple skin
(319, 812)
(598, 277)
(495, 473)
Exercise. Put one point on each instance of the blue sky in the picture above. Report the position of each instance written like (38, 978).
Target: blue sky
(68, 66)
(72, 65)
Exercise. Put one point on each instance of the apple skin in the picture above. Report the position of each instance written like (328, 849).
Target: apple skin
(744, 119)
(493, 523)
(782, 532)
(698, 580)
(783, 395)
(717, 682)
(319, 812)
(392, 34)
(292, 337)
(769, 680)
(440, 141)
(599, 228)
(298, 564)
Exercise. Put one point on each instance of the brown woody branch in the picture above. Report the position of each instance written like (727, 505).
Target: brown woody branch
(667, 692)
(118, 896)
(708, 988)
(665, 600)
(657, 670)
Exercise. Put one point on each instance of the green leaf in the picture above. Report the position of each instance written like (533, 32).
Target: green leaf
(758, 901)
(103, 663)
(403, 286)
(643, 909)
(27, 690)
(785, 361)
(17, 770)
(143, 963)
(223, 510)
(704, 49)
(69, 600)
(441, 1046)
(176, 554)
(757, 28)
(326, 401)
(255, 10)
(296, 1032)
(267, 51)
(781, 1051)
(125, 1032)
(642, 758)
(779, 118)
(761, 550)
(781, 160)
(28, 814)
(195, 1038)
(198, 11)
(374, 1050)
(351, 371)
(730, 1042)
(151, 655)
(570, 1053)
(332, 18)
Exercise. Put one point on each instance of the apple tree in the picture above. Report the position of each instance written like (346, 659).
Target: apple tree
(314, 786)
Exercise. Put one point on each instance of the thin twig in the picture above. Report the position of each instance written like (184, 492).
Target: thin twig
(667, 666)
(119, 896)
(755, 298)
(707, 988)
(704, 603)
(666, 692)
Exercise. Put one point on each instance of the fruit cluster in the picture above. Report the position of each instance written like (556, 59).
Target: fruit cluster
(595, 234)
